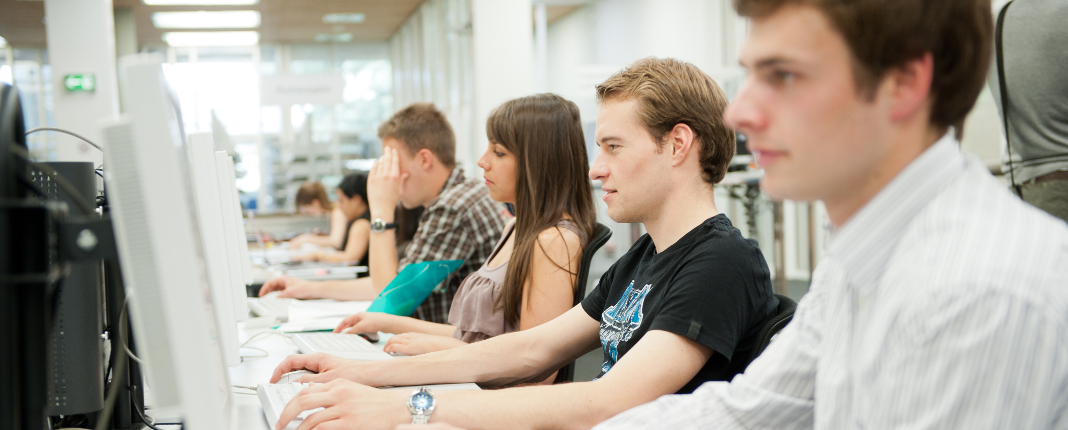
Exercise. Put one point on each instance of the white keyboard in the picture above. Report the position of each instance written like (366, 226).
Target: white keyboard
(275, 397)
(349, 346)
(270, 307)
(338, 342)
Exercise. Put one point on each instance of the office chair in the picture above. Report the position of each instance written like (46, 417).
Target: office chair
(785, 313)
(601, 234)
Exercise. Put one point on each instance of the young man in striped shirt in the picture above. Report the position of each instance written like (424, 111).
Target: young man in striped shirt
(942, 300)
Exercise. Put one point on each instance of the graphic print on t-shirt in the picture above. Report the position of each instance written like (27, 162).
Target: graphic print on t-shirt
(619, 322)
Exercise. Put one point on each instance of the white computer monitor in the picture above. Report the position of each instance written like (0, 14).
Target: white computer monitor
(158, 238)
(231, 219)
(242, 237)
(208, 204)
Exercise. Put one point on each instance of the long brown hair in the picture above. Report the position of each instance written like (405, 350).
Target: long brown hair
(545, 134)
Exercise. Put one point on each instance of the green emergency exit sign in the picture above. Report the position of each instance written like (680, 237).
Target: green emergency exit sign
(80, 82)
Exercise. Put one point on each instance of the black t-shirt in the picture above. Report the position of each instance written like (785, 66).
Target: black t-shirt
(712, 286)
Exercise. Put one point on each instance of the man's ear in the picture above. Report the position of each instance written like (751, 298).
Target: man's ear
(909, 86)
(425, 159)
(681, 142)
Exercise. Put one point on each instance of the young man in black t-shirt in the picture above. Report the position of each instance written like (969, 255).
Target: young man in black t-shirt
(711, 286)
(678, 309)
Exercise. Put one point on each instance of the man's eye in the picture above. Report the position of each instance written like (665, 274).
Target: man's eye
(783, 77)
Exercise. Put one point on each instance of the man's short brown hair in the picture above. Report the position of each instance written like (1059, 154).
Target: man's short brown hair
(422, 126)
(671, 92)
(883, 35)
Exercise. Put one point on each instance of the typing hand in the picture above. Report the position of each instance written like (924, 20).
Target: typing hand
(326, 367)
(290, 287)
(434, 426)
(348, 405)
(420, 343)
(385, 184)
(296, 242)
(367, 322)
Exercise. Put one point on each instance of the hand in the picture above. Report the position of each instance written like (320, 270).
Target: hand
(326, 367)
(385, 185)
(298, 241)
(420, 343)
(290, 287)
(311, 256)
(348, 405)
(432, 426)
(367, 322)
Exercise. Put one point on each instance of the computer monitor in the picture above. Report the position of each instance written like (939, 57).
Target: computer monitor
(231, 218)
(242, 237)
(209, 212)
(158, 240)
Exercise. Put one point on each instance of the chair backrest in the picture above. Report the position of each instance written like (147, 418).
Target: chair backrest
(601, 234)
(785, 313)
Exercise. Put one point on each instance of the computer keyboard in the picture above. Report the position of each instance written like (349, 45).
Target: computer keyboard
(338, 342)
(275, 397)
(270, 306)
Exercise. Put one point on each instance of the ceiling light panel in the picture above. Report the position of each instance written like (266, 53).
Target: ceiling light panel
(200, 2)
(212, 38)
(344, 18)
(204, 19)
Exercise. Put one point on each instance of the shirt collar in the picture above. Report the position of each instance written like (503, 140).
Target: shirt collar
(456, 177)
(867, 239)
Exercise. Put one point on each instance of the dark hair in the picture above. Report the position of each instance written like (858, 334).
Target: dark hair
(671, 92)
(544, 133)
(354, 184)
(310, 191)
(422, 126)
(882, 35)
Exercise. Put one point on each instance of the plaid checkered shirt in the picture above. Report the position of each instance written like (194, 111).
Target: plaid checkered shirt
(462, 223)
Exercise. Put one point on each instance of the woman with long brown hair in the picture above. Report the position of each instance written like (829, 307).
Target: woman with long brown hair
(537, 160)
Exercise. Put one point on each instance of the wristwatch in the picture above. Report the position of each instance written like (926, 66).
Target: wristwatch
(379, 225)
(421, 404)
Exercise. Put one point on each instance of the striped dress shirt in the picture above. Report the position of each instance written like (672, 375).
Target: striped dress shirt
(941, 304)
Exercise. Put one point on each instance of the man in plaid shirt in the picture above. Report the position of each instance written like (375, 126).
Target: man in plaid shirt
(461, 222)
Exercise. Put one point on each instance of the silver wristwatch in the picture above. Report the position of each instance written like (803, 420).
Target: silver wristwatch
(421, 404)
(379, 225)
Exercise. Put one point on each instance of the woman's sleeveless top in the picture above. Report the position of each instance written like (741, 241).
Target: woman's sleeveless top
(472, 308)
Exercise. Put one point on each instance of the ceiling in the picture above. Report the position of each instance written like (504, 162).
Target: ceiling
(282, 21)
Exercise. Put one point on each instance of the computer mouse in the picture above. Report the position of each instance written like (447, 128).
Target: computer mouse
(371, 337)
(399, 354)
(293, 376)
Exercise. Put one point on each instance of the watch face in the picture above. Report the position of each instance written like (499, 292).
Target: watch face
(422, 401)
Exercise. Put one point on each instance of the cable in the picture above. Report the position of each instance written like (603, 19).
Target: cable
(62, 182)
(67, 132)
(148, 422)
(125, 342)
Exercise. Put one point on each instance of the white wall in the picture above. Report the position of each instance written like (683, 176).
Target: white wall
(81, 40)
(503, 50)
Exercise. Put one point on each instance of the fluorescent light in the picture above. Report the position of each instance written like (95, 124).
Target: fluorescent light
(199, 2)
(343, 18)
(336, 37)
(212, 38)
(204, 19)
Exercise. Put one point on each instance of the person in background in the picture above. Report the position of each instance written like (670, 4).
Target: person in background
(942, 299)
(1037, 98)
(311, 199)
(461, 221)
(352, 201)
(683, 306)
(537, 160)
